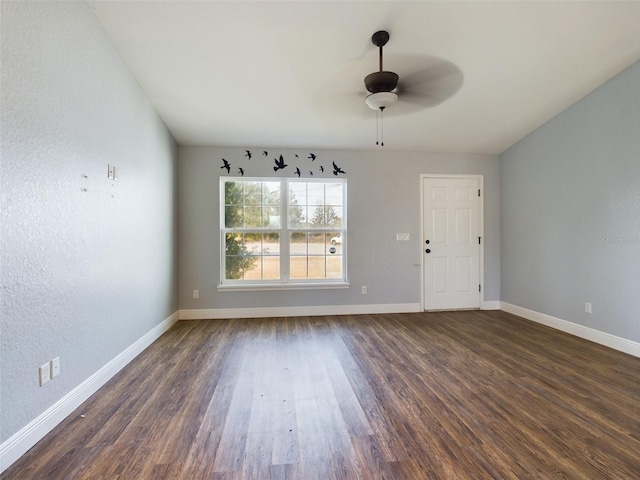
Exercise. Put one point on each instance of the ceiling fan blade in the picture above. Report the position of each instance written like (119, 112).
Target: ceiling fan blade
(341, 90)
(425, 82)
(418, 69)
(345, 104)
(408, 105)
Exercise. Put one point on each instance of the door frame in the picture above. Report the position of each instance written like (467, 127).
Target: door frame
(480, 179)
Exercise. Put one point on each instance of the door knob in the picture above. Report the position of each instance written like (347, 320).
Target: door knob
(428, 250)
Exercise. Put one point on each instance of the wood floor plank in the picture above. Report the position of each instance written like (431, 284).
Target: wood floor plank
(478, 395)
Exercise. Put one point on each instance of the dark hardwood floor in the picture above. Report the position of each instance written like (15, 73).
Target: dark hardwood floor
(409, 396)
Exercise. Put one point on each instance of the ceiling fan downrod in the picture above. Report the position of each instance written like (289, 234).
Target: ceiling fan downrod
(381, 81)
(380, 39)
(380, 84)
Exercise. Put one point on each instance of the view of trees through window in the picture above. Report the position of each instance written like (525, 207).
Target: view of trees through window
(260, 246)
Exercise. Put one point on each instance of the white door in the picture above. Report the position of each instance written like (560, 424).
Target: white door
(451, 243)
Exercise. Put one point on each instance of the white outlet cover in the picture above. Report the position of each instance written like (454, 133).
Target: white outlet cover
(55, 367)
(45, 374)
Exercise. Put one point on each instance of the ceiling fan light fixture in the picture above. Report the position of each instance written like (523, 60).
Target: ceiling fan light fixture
(381, 100)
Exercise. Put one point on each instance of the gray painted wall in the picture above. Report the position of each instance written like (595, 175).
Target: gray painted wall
(571, 212)
(84, 274)
(383, 199)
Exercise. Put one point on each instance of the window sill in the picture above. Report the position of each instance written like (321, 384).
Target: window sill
(254, 287)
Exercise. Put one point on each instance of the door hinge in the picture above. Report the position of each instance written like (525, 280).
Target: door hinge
(479, 240)
(479, 288)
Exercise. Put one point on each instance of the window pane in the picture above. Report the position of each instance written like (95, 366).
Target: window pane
(317, 216)
(253, 243)
(271, 244)
(298, 267)
(315, 193)
(297, 193)
(252, 193)
(253, 269)
(316, 244)
(271, 193)
(297, 217)
(233, 216)
(333, 245)
(233, 193)
(333, 217)
(271, 217)
(234, 256)
(333, 194)
(317, 267)
(334, 267)
(271, 268)
(233, 244)
(298, 244)
(252, 217)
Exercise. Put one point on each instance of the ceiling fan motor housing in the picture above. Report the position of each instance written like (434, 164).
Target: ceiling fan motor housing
(381, 82)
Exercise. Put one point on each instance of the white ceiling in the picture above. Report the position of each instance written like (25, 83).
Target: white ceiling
(289, 74)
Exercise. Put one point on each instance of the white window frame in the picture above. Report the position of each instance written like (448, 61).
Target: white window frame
(284, 231)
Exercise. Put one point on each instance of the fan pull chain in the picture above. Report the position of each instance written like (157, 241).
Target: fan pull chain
(382, 126)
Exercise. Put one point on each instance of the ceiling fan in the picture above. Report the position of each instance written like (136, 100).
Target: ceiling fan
(433, 83)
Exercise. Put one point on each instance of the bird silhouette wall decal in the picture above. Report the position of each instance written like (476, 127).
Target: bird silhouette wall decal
(279, 164)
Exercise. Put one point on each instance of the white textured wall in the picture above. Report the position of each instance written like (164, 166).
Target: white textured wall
(84, 273)
(383, 199)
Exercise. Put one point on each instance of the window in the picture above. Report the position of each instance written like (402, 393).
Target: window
(283, 232)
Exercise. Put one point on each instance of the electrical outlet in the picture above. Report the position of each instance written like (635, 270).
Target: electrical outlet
(364, 290)
(196, 294)
(45, 374)
(587, 307)
(55, 367)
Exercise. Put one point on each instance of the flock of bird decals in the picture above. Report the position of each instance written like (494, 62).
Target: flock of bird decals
(281, 165)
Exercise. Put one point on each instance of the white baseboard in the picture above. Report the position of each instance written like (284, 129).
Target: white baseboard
(606, 339)
(219, 313)
(490, 305)
(18, 444)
